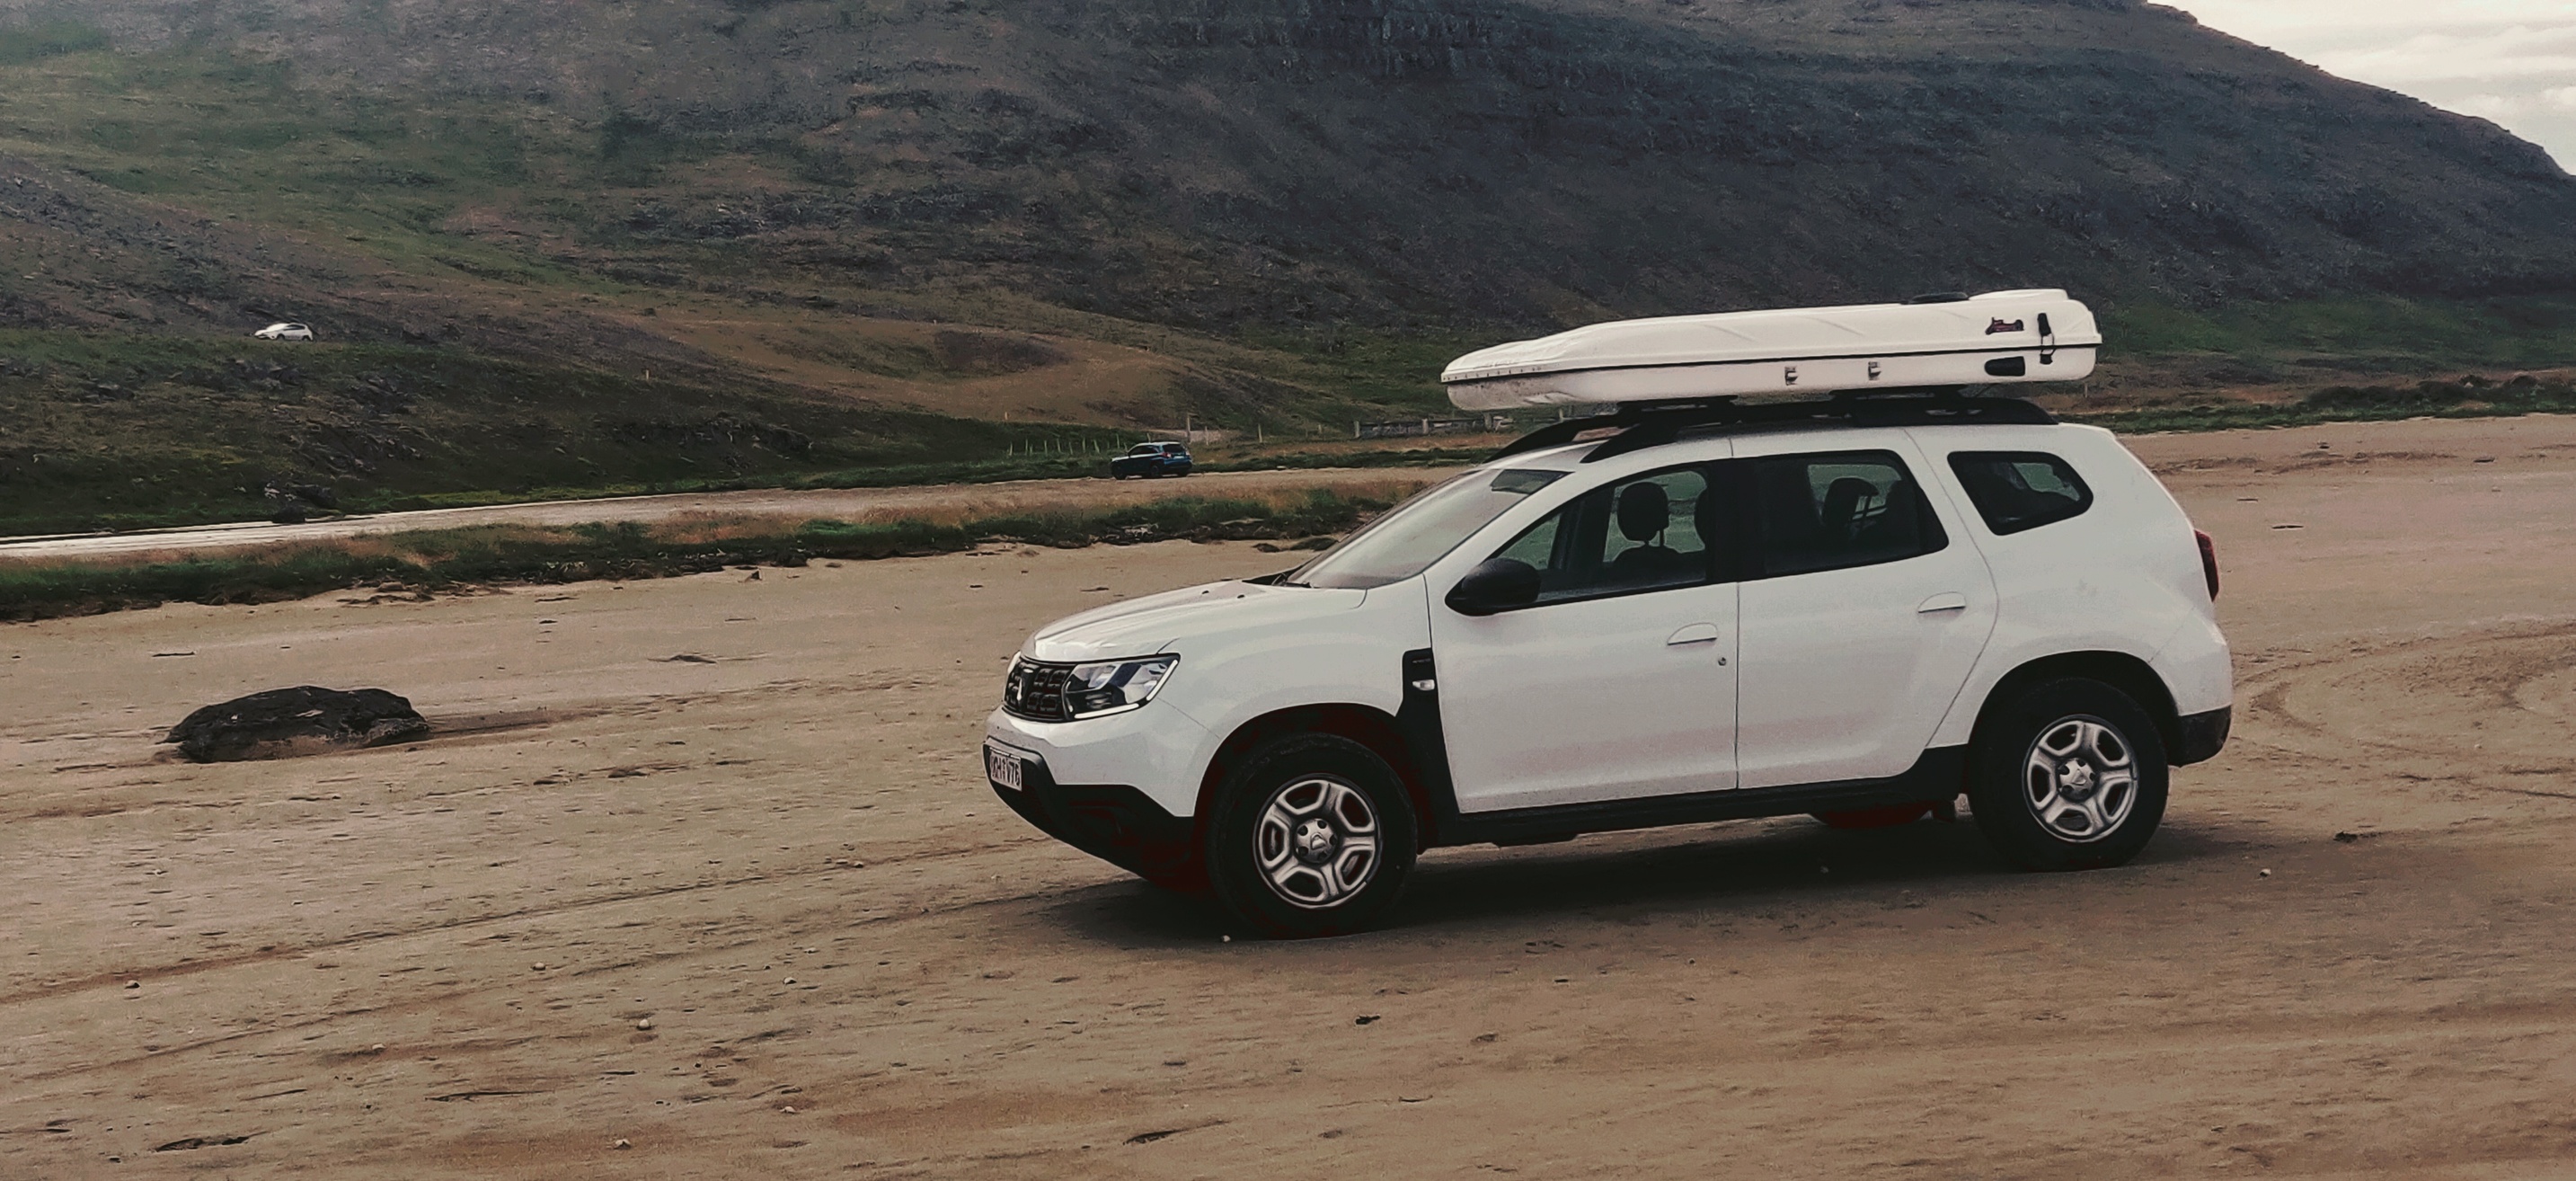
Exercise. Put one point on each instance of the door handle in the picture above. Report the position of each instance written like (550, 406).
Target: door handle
(1697, 633)
(1940, 603)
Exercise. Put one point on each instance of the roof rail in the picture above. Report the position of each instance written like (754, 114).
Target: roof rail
(1641, 425)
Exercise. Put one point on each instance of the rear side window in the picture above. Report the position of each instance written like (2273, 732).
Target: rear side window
(1841, 509)
(2017, 490)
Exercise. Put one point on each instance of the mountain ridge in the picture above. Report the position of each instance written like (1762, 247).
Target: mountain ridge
(1269, 215)
(1511, 162)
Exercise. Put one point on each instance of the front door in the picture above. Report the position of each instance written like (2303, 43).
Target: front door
(1619, 682)
(1862, 618)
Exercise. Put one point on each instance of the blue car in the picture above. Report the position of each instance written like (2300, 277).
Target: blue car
(1146, 460)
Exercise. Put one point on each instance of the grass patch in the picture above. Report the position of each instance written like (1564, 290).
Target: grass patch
(39, 40)
(435, 560)
(101, 431)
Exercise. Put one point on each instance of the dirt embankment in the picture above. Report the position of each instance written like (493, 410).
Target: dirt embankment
(704, 867)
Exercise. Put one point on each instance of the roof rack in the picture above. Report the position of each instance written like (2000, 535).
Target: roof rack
(1641, 425)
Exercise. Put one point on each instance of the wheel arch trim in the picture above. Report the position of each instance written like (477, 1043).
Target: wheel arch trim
(2127, 673)
(1367, 725)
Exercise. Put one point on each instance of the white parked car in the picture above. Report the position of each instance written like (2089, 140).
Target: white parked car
(1686, 612)
(285, 331)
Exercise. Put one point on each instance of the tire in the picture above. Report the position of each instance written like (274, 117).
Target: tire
(1188, 883)
(1279, 848)
(2070, 774)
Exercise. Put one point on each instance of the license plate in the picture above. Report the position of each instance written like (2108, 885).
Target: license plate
(1006, 770)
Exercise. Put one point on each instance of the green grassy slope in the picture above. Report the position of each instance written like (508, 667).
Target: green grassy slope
(116, 431)
(854, 241)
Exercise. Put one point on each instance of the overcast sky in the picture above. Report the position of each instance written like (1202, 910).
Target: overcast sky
(2513, 61)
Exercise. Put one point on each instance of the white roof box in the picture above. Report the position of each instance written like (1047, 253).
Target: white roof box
(1999, 337)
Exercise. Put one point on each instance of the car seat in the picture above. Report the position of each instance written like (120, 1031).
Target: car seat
(1644, 512)
(1850, 505)
(1714, 520)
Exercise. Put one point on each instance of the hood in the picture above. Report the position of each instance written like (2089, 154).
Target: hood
(1156, 623)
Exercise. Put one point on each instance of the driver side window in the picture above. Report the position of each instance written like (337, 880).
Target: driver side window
(1658, 531)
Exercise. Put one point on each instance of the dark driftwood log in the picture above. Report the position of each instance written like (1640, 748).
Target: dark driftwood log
(301, 720)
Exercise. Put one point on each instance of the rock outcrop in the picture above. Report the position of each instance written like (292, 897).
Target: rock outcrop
(307, 719)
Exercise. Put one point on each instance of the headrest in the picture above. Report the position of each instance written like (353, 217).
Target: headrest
(1644, 511)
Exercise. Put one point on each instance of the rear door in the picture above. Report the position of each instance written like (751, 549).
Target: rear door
(1864, 611)
(1620, 681)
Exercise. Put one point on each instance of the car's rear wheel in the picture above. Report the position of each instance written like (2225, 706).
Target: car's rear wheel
(2069, 774)
(1311, 835)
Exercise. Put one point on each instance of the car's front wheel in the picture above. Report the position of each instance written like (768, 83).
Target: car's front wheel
(2070, 774)
(1311, 835)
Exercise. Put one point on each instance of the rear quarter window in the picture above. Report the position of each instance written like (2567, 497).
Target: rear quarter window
(2020, 490)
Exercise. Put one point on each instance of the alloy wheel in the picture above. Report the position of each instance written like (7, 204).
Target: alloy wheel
(1316, 843)
(2080, 779)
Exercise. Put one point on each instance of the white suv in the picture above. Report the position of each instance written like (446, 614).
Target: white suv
(1861, 609)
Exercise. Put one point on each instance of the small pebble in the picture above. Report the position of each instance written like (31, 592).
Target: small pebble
(645, 1023)
(791, 980)
(789, 1110)
(621, 1143)
(2262, 873)
(134, 984)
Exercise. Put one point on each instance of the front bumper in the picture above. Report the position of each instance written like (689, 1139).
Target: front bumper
(2204, 735)
(1113, 822)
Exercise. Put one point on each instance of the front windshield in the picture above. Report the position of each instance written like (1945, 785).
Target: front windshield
(1408, 539)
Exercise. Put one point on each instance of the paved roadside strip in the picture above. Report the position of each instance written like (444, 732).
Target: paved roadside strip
(840, 503)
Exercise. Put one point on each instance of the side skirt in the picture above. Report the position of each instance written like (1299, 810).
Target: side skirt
(1941, 774)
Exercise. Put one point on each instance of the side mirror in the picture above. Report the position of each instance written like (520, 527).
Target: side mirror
(1499, 584)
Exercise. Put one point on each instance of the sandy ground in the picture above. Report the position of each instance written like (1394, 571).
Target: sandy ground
(440, 961)
(847, 504)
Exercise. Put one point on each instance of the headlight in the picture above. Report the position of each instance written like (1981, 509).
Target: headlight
(1062, 692)
(1114, 685)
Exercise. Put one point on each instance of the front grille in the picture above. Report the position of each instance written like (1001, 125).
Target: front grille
(1036, 691)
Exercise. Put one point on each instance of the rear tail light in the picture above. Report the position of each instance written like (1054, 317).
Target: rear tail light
(2208, 563)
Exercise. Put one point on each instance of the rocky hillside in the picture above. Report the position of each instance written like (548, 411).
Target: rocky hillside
(1391, 162)
(1276, 214)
